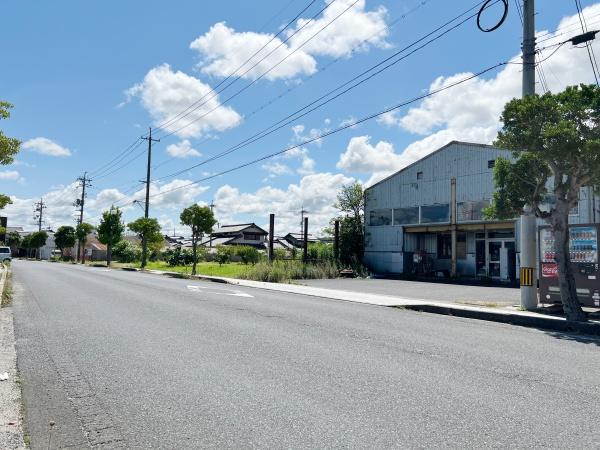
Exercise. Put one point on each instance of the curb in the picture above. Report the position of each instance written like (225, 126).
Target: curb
(523, 319)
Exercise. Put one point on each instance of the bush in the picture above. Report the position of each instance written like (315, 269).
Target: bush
(282, 271)
(183, 256)
(279, 254)
(127, 252)
(248, 254)
(223, 255)
(320, 251)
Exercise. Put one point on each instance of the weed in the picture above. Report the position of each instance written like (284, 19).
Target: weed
(7, 293)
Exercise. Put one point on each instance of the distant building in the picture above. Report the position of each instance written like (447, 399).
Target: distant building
(297, 239)
(241, 234)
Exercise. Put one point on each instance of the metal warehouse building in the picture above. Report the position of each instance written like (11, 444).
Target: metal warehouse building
(417, 216)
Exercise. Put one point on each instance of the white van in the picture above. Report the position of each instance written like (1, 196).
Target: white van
(5, 254)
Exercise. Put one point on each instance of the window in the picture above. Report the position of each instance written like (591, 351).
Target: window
(501, 234)
(379, 217)
(491, 163)
(419, 175)
(252, 237)
(406, 216)
(466, 211)
(435, 213)
(444, 246)
(461, 246)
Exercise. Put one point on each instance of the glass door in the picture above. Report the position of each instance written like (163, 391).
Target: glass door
(494, 258)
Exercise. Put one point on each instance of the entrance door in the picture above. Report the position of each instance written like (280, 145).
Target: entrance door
(494, 258)
(480, 257)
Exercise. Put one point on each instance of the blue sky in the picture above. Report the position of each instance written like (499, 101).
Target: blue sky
(87, 80)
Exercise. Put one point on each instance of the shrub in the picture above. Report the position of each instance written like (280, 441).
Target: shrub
(279, 254)
(248, 254)
(283, 271)
(223, 255)
(320, 251)
(126, 251)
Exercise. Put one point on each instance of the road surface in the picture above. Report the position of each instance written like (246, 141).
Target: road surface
(130, 360)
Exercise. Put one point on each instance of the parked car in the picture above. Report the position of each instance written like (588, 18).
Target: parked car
(5, 254)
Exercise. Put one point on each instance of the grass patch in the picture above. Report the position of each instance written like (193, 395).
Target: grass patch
(7, 293)
(287, 270)
(231, 270)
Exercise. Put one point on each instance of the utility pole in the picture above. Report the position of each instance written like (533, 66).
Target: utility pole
(528, 241)
(305, 243)
(39, 213)
(302, 212)
(212, 205)
(84, 182)
(147, 205)
(271, 236)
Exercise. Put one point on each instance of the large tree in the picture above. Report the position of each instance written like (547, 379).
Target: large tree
(110, 230)
(351, 202)
(556, 139)
(64, 238)
(37, 240)
(13, 240)
(81, 232)
(9, 147)
(148, 229)
(201, 220)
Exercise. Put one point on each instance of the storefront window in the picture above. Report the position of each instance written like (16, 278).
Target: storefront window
(466, 211)
(379, 217)
(406, 216)
(435, 213)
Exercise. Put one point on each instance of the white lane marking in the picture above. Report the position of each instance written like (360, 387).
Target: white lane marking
(232, 292)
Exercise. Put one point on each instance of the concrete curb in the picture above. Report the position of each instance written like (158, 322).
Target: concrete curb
(519, 318)
(11, 422)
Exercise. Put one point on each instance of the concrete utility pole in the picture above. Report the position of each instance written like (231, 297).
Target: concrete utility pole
(305, 249)
(84, 181)
(39, 213)
(147, 205)
(271, 236)
(336, 241)
(528, 247)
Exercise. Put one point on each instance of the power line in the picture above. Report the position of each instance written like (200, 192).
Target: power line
(336, 130)
(264, 73)
(588, 46)
(391, 61)
(117, 158)
(293, 87)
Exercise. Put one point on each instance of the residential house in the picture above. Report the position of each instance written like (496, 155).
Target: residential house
(240, 234)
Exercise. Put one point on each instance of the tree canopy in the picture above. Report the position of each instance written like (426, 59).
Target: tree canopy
(9, 147)
(201, 220)
(556, 139)
(110, 230)
(148, 229)
(64, 238)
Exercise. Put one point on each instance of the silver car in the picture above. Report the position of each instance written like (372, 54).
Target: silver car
(5, 254)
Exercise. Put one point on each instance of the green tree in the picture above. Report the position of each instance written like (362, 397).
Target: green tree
(148, 229)
(223, 255)
(201, 220)
(351, 202)
(37, 240)
(110, 230)
(13, 240)
(9, 147)
(127, 252)
(556, 139)
(64, 238)
(81, 232)
(247, 254)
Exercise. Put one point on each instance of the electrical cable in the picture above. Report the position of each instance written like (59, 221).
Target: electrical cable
(294, 116)
(262, 75)
(587, 44)
(338, 129)
(499, 23)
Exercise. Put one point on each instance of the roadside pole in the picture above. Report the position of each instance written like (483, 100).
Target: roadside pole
(271, 233)
(305, 247)
(147, 205)
(336, 242)
(528, 238)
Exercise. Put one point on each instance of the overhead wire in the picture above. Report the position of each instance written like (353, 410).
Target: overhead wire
(390, 60)
(588, 46)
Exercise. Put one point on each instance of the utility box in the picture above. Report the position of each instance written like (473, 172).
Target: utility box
(583, 249)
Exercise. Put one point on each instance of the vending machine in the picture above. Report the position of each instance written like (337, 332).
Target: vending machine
(583, 249)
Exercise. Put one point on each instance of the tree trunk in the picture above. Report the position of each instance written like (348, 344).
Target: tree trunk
(108, 254)
(78, 249)
(194, 245)
(83, 252)
(566, 280)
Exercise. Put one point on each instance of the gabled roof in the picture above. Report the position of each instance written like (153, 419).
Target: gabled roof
(237, 228)
(449, 144)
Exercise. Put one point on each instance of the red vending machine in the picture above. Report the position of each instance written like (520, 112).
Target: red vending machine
(583, 248)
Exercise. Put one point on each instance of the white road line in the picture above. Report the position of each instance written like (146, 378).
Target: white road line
(231, 292)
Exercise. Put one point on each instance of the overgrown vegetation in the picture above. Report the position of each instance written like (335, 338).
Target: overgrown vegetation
(7, 293)
(286, 270)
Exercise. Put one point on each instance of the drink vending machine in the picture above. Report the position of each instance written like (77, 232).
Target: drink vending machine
(583, 249)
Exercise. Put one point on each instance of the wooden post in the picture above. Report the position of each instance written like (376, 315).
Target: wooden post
(305, 253)
(271, 233)
(336, 242)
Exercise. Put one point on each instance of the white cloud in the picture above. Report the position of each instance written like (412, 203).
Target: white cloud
(223, 49)
(316, 193)
(276, 169)
(45, 146)
(389, 119)
(182, 149)
(165, 93)
(9, 175)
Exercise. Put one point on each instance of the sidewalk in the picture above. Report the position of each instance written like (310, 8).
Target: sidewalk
(504, 314)
(11, 427)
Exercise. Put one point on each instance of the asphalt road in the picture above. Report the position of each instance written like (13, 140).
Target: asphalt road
(129, 360)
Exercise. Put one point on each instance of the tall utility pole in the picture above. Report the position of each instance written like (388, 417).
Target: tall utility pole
(147, 205)
(302, 212)
(528, 239)
(39, 213)
(84, 182)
